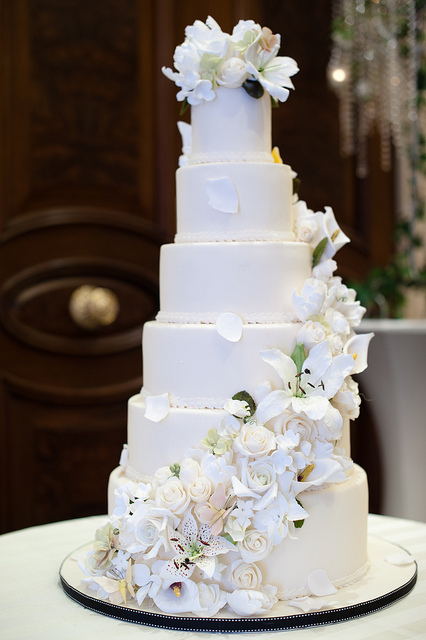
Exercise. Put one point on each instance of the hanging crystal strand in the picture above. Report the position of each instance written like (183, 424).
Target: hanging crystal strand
(412, 68)
(391, 90)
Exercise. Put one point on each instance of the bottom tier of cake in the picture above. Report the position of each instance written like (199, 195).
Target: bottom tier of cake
(333, 538)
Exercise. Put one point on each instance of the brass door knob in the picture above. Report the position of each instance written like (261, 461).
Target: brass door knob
(93, 307)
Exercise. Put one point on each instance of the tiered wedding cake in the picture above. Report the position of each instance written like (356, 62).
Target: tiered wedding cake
(236, 488)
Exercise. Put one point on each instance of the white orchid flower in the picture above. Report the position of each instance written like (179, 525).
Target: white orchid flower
(309, 391)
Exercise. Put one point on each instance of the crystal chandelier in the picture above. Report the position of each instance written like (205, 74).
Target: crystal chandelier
(374, 69)
(377, 69)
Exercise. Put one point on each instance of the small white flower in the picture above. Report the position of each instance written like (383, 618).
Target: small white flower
(312, 299)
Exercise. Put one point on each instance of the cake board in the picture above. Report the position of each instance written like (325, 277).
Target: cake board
(383, 585)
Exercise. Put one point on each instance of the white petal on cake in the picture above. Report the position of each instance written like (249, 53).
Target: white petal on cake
(222, 194)
(310, 604)
(319, 583)
(157, 407)
(400, 559)
(230, 326)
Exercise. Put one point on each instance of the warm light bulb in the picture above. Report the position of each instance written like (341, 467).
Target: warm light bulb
(338, 75)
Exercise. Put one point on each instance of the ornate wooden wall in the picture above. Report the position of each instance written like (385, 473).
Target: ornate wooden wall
(89, 148)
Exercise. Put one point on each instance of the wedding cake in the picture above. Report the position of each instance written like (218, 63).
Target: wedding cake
(236, 488)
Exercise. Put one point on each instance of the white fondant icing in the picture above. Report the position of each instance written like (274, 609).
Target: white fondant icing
(232, 122)
(264, 199)
(244, 278)
(194, 359)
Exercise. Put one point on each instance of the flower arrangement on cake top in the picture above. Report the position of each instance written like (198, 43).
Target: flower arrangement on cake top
(209, 58)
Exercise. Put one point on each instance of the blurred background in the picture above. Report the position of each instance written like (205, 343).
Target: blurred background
(89, 148)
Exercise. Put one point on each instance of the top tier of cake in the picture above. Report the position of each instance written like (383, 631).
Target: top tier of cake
(232, 127)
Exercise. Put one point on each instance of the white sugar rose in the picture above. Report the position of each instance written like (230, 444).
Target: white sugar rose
(254, 440)
(211, 599)
(255, 546)
(299, 424)
(245, 575)
(232, 73)
(335, 343)
(260, 475)
(311, 334)
(306, 227)
(200, 490)
(173, 496)
(249, 602)
(162, 475)
(337, 321)
(324, 270)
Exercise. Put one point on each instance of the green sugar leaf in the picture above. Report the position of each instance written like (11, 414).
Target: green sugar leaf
(175, 469)
(318, 251)
(298, 356)
(184, 107)
(253, 88)
(228, 537)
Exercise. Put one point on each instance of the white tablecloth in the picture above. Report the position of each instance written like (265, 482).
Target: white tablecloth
(34, 606)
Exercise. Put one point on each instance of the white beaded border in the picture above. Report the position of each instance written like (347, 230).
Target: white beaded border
(230, 156)
(245, 235)
(177, 402)
(211, 317)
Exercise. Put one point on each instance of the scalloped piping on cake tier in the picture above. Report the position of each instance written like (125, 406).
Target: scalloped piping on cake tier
(289, 594)
(230, 156)
(191, 403)
(211, 317)
(247, 235)
(136, 476)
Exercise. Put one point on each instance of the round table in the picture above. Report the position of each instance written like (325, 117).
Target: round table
(34, 606)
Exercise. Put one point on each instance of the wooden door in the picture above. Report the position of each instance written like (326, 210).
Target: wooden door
(89, 147)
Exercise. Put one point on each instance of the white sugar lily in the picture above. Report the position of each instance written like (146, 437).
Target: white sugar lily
(272, 71)
(194, 549)
(309, 391)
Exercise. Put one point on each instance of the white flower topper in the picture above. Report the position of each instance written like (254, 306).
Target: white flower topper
(247, 58)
